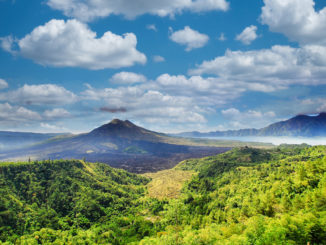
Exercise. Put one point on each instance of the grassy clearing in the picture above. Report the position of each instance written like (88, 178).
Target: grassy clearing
(167, 183)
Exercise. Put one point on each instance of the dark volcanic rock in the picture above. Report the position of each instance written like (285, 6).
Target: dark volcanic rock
(121, 144)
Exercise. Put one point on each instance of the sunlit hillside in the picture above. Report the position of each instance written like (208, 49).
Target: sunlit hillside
(244, 196)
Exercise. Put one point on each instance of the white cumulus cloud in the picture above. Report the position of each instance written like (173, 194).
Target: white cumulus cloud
(44, 94)
(222, 37)
(53, 128)
(56, 113)
(16, 114)
(127, 78)
(169, 98)
(192, 39)
(250, 118)
(297, 19)
(3, 84)
(7, 44)
(151, 27)
(248, 35)
(158, 58)
(71, 43)
(148, 104)
(279, 66)
(87, 10)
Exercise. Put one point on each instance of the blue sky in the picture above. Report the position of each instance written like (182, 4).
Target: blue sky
(169, 66)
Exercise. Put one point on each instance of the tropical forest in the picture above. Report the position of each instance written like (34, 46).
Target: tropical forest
(244, 196)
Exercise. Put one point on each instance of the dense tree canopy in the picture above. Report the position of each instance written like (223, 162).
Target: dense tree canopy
(63, 199)
(244, 196)
(250, 196)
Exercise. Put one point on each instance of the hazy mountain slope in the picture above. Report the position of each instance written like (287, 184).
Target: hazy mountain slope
(10, 140)
(120, 143)
(125, 129)
(301, 125)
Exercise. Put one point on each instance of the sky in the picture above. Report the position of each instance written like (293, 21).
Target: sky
(170, 66)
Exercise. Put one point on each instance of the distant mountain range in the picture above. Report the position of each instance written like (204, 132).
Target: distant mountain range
(301, 125)
(125, 145)
(12, 140)
(119, 143)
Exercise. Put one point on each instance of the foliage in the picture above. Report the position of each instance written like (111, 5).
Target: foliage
(250, 196)
(72, 201)
(244, 196)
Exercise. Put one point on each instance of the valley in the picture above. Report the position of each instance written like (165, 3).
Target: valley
(163, 122)
(243, 196)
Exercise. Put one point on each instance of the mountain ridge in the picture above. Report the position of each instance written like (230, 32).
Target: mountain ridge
(300, 125)
(12, 139)
(124, 129)
(120, 144)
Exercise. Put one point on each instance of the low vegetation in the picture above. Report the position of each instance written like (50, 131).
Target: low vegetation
(244, 196)
(167, 184)
(134, 150)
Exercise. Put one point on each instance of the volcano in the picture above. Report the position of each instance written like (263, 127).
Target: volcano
(119, 143)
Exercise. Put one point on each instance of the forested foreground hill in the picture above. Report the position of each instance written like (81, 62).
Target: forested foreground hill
(244, 196)
(69, 202)
(250, 196)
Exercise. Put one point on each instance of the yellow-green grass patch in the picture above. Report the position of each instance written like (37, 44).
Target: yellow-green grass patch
(167, 183)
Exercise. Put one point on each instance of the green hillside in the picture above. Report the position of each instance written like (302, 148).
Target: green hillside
(61, 201)
(244, 196)
(250, 196)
